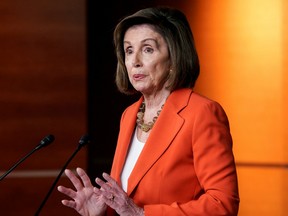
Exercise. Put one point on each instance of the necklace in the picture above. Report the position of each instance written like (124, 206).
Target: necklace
(140, 121)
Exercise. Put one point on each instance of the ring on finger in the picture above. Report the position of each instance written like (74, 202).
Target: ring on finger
(112, 197)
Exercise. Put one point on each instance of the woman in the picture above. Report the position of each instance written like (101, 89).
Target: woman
(174, 151)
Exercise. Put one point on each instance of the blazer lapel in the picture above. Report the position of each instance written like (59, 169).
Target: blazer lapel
(126, 132)
(165, 129)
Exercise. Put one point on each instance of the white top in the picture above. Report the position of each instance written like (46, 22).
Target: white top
(135, 149)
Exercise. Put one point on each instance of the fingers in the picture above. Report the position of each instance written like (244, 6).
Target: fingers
(105, 186)
(69, 203)
(75, 181)
(110, 190)
(78, 184)
(109, 179)
(105, 189)
(84, 177)
(67, 191)
(110, 182)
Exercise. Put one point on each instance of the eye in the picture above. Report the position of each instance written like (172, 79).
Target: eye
(148, 50)
(128, 51)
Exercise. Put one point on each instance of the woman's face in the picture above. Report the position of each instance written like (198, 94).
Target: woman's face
(146, 58)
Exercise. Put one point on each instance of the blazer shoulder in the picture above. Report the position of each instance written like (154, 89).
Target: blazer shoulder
(199, 100)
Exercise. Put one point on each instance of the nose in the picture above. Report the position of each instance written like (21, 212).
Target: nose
(137, 60)
(136, 64)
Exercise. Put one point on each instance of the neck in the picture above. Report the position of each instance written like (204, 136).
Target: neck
(155, 101)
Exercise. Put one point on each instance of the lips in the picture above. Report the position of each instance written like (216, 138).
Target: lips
(138, 76)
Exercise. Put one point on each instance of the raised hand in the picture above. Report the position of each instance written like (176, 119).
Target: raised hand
(116, 197)
(83, 199)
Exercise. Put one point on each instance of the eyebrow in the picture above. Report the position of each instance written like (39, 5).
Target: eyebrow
(145, 40)
(150, 39)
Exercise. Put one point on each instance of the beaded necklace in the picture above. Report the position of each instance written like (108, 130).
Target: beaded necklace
(140, 121)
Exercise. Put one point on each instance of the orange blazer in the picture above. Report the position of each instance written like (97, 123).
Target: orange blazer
(187, 165)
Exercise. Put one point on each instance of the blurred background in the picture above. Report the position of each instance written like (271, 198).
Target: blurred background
(57, 69)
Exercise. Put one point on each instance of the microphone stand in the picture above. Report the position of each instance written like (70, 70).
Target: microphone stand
(20, 161)
(83, 141)
(47, 140)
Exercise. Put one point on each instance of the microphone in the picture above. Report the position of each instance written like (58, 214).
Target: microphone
(82, 142)
(44, 142)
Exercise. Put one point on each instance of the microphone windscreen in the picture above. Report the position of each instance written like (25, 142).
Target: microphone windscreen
(47, 140)
(84, 140)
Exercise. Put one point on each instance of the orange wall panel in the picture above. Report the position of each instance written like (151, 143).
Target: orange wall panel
(242, 46)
